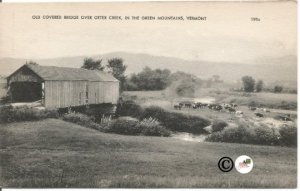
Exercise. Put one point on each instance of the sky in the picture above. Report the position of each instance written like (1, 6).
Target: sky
(227, 35)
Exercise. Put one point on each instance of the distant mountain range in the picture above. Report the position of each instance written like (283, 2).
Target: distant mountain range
(282, 69)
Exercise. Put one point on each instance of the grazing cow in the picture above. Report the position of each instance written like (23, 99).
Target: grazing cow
(259, 114)
(218, 108)
(284, 118)
(204, 104)
(197, 105)
(226, 106)
(233, 105)
(188, 105)
(211, 106)
(177, 106)
(200, 105)
(239, 112)
(231, 110)
(252, 108)
(266, 110)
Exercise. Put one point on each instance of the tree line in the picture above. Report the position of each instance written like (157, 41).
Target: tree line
(147, 79)
(250, 85)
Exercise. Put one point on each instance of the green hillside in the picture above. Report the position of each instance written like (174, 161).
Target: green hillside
(54, 153)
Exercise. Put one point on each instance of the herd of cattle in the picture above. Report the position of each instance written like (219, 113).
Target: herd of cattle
(213, 106)
(227, 107)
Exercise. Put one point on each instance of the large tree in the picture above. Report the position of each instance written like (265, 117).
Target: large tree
(278, 89)
(249, 83)
(259, 85)
(91, 64)
(117, 69)
(149, 79)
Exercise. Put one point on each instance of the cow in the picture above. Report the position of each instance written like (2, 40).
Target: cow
(284, 117)
(195, 106)
(259, 114)
(239, 112)
(204, 105)
(252, 108)
(226, 105)
(231, 110)
(210, 106)
(199, 105)
(177, 106)
(266, 110)
(218, 107)
(186, 104)
(233, 105)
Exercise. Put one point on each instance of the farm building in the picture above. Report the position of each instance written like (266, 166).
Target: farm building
(59, 87)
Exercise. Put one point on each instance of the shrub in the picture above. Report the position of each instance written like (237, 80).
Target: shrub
(244, 134)
(125, 126)
(83, 120)
(105, 120)
(288, 135)
(129, 108)
(151, 127)
(77, 118)
(132, 126)
(265, 136)
(218, 125)
(176, 121)
(49, 113)
(100, 110)
(238, 134)
(10, 114)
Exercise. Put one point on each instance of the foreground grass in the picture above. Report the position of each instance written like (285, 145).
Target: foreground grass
(54, 153)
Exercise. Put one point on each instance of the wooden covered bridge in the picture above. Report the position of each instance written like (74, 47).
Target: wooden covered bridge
(59, 87)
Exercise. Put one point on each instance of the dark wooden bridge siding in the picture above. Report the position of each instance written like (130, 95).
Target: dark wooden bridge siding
(24, 75)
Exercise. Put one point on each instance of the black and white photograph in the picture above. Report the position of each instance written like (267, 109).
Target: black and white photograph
(148, 94)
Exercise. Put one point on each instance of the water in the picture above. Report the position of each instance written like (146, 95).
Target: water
(189, 137)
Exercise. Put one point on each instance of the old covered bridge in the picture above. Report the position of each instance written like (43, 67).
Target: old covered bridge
(59, 87)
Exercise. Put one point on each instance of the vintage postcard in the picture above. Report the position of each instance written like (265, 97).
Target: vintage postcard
(148, 95)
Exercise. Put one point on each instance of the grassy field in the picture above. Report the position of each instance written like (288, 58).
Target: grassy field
(243, 99)
(54, 153)
(165, 100)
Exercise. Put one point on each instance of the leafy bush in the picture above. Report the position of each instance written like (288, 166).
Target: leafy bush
(218, 125)
(125, 126)
(105, 120)
(83, 120)
(288, 135)
(132, 126)
(265, 136)
(49, 113)
(238, 134)
(10, 114)
(151, 127)
(129, 108)
(176, 121)
(244, 134)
